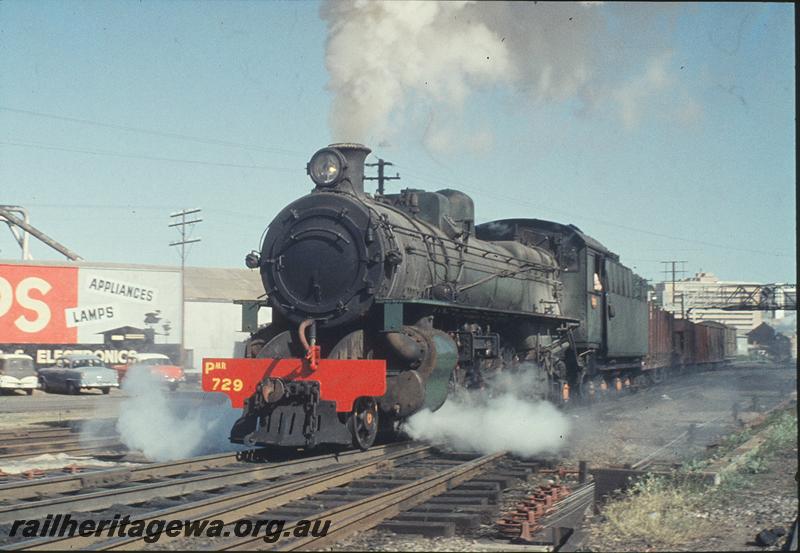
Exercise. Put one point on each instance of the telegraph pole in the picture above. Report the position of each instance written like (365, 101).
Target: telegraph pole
(381, 178)
(185, 227)
(666, 272)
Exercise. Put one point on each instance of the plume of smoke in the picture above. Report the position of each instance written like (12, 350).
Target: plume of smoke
(785, 325)
(165, 428)
(380, 52)
(503, 418)
(389, 60)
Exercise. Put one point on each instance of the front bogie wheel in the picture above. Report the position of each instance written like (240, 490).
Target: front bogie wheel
(363, 422)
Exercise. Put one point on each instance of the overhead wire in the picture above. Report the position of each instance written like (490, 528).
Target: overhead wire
(517, 200)
(154, 132)
(422, 176)
(55, 147)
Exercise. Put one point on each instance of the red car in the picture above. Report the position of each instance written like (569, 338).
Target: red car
(159, 365)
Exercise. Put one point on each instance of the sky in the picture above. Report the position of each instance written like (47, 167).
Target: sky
(665, 132)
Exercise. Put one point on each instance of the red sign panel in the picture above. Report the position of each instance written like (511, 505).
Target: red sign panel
(340, 380)
(33, 303)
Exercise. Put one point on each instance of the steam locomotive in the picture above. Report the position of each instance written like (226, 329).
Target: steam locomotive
(382, 304)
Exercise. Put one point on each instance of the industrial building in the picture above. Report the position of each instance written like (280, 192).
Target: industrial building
(213, 321)
(704, 297)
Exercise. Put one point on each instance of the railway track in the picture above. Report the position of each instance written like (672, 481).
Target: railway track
(30, 441)
(397, 484)
(74, 445)
(354, 490)
(33, 433)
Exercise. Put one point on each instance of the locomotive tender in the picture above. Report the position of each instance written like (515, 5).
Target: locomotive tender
(383, 303)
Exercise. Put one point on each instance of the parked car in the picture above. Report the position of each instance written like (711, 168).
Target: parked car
(17, 373)
(159, 365)
(73, 373)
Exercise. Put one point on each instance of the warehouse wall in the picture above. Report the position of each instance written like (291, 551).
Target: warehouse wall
(211, 330)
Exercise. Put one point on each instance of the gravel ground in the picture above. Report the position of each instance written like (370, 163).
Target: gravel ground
(17, 409)
(735, 512)
(636, 425)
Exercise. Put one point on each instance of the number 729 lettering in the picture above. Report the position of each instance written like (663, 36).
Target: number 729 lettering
(227, 384)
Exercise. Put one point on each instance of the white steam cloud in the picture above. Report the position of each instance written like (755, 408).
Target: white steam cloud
(785, 325)
(393, 64)
(504, 419)
(166, 426)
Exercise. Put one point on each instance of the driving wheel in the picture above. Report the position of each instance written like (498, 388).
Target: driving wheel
(364, 422)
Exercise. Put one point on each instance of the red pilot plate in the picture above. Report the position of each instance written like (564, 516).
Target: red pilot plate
(340, 380)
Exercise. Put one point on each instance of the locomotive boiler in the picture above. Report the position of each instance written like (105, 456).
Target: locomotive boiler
(381, 304)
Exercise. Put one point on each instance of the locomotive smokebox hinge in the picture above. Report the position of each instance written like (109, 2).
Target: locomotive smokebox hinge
(394, 258)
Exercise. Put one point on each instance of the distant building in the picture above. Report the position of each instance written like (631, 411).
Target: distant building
(698, 298)
(762, 334)
(764, 340)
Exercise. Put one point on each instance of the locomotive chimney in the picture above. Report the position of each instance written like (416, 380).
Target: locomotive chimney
(339, 168)
(355, 154)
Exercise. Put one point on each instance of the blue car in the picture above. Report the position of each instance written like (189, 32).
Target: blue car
(73, 373)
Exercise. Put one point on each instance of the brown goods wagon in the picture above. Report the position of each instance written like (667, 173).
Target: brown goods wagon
(684, 338)
(710, 339)
(730, 342)
(716, 339)
(660, 340)
(702, 344)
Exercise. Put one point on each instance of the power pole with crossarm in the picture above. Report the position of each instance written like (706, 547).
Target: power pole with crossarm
(185, 228)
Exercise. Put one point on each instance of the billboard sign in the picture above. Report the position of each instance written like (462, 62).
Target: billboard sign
(88, 308)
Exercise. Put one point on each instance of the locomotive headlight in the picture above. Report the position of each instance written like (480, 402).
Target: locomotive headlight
(326, 167)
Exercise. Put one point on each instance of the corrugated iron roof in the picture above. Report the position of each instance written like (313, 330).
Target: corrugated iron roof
(203, 283)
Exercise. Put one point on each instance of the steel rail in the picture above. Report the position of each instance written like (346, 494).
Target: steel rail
(580, 498)
(98, 478)
(55, 442)
(63, 428)
(647, 460)
(367, 513)
(170, 488)
(233, 506)
(72, 483)
(34, 433)
(88, 446)
(20, 438)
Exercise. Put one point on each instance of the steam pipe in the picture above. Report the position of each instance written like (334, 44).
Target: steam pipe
(404, 346)
(301, 330)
